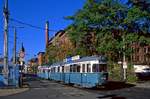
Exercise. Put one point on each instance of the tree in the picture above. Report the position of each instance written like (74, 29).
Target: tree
(110, 21)
(100, 18)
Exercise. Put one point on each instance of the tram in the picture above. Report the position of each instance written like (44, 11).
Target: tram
(88, 72)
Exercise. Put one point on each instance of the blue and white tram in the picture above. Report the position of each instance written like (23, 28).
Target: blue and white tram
(43, 72)
(86, 72)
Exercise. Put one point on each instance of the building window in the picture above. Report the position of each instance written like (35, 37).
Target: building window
(137, 58)
(148, 49)
(133, 59)
(145, 58)
(137, 50)
(145, 50)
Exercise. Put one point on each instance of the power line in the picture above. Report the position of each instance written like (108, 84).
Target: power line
(30, 25)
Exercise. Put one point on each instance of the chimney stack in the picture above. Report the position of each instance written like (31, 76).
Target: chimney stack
(47, 33)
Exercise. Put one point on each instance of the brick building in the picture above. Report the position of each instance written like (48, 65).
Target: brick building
(62, 43)
(32, 65)
(141, 54)
(41, 58)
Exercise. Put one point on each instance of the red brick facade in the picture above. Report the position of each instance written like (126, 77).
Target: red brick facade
(141, 54)
(41, 58)
(62, 42)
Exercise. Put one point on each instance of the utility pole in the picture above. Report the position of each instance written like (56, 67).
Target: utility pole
(124, 60)
(14, 56)
(6, 17)
(15, 41)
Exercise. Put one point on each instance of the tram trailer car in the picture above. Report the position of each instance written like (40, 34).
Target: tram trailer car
(43, 72)
(86, 72)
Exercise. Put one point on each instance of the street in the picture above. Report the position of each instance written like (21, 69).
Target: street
(44, 89)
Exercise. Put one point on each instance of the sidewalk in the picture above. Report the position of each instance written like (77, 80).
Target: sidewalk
(12, 91)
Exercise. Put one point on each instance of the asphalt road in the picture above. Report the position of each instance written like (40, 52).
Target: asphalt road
(44, 89)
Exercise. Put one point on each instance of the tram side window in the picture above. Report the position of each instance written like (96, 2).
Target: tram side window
(63, 69)
(51, 70)
(78, 68)
(88, 67)
(43, 71)
(58, 69)
(54, 69)
(96, 68)
(83, 68)
(99, 67)
(67, 69)
(103, 67)
(71, 68)
(74, 68)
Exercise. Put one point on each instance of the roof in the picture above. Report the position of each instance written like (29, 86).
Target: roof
(41, 53)
(33, 60)
(89, 58)
(59, 33)
(58, 63)
(102, 59)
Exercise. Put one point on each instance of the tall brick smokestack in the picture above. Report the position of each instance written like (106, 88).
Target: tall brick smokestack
(47, 33)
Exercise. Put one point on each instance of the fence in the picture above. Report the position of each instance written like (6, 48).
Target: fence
(13, 77)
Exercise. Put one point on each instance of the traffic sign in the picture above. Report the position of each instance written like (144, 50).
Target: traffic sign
(125, 65)
(22, 54)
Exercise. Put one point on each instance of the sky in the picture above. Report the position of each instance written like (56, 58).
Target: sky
(36, 12)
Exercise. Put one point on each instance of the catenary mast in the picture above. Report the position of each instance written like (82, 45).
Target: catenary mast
(6, 16)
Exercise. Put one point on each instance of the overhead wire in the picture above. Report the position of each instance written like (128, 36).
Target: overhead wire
(30, 25)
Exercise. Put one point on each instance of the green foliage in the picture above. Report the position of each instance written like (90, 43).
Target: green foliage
(114, 25)
(111, 21)
(114, 71)
(51, 54)
(105, 27)
(131, 76)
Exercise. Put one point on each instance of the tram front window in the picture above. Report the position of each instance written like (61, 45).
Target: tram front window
(99, 67)
(1, 70)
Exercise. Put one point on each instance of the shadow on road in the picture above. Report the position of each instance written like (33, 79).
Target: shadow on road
(114, 85)
(144, 78)
(113, 96)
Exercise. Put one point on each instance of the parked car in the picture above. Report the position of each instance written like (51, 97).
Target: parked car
(142, 70)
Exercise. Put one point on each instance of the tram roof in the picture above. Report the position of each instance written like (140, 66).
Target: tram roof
(57, 63)
(88, 58)
(91, 58)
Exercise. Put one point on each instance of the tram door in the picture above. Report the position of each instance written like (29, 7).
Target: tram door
(63, 74)
(84, 74)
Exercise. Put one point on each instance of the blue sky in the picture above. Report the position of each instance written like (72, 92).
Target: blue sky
(36, 12)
